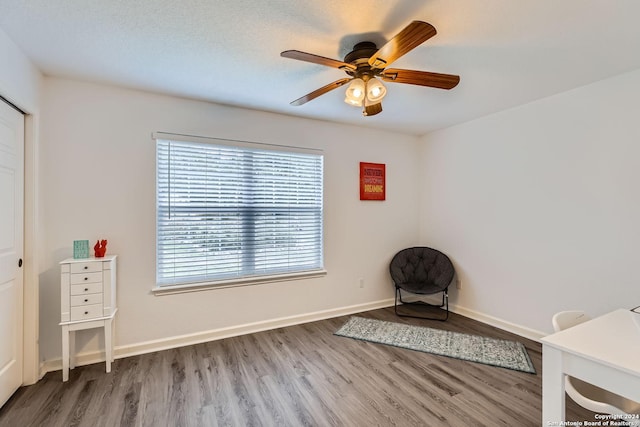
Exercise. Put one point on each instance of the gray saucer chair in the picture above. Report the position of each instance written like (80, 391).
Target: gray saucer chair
(421, 271)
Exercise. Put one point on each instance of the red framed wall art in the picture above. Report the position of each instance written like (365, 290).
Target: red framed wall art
(373, 184)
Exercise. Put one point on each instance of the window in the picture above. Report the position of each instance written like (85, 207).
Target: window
(233, 213)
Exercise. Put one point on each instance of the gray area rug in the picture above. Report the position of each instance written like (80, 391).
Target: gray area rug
(474, 348)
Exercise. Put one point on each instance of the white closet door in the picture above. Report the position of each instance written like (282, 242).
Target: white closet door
(11, 246)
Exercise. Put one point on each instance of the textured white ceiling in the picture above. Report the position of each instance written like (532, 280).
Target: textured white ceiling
(507, 52)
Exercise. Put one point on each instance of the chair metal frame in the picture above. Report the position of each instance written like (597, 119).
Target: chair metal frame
(445, 303)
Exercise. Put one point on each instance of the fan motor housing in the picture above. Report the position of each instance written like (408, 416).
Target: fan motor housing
(362, 50)
(359, 57)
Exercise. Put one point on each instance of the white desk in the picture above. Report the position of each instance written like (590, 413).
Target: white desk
(604, 351)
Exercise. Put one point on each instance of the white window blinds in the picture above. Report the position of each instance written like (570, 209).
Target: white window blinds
(226, 212)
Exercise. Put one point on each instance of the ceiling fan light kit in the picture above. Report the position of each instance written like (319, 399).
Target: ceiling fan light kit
(365, 93)
(366, 64)
(355, 92)
(375, 90)
(371, 109)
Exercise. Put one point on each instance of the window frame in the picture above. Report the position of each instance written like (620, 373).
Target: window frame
(207, 284)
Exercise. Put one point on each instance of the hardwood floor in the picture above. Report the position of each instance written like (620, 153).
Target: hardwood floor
(297, 376)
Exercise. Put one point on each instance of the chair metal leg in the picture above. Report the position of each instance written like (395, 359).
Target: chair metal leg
(445, 303)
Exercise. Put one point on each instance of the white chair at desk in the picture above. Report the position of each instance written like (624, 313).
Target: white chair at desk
(584, 394)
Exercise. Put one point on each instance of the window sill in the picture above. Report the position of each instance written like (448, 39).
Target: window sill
(224, 284)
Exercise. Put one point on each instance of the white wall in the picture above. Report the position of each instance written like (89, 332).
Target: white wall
(20, 80)
(538, 206)
(98, 168)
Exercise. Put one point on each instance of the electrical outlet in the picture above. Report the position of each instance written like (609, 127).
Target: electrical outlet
(361, 282)
(458, 283)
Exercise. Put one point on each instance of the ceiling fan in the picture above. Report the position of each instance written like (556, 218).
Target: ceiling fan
(365, 64)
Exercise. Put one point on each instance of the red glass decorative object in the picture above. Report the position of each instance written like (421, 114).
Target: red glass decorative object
(100, 248)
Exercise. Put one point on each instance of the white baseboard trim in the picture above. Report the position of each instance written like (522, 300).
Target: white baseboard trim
(215, 334)
(88, 358)
(532, 334)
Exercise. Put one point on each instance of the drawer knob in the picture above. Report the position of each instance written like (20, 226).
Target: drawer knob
(86, 300)
(86, 289)
(86, 267)
(86, 278)
(86, 312)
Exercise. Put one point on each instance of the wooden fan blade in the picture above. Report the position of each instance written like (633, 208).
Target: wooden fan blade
(421, 78)
(316, 59)
(411, 36)
(372, 110)
(316, 93)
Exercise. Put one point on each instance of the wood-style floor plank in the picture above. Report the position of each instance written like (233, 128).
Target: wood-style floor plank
(296, 376)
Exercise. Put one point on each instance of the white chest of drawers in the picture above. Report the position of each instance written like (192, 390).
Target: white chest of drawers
(87, 300)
